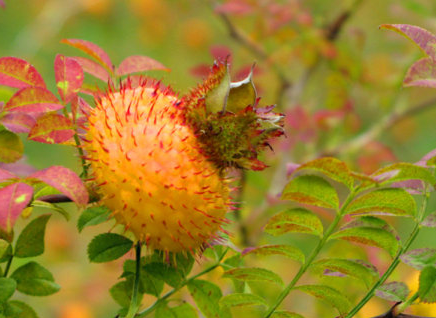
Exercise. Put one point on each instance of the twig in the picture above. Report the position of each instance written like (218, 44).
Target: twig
(376, 130)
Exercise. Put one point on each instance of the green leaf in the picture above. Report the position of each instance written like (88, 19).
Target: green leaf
(206, 295)
(420, 258)
(184, 263)
(51, 206)
(333, 168)
(164, 272)
(353, 268)
(4, 248)
(254, 275)
(31, 240)
(329, 295)
(216, 98)
(286, 250)
(149, 284)
(121, 292)
(393, 291)
(285, 314)
(108, 247)
(33, 279)
(403, 171)
(391, 201)
(26, 310)
(184, 310)
(313, 190)
(240, 299)
(370, 231)
(241, 94)
(427, 285)
(47, 190)
(93, 216)
(430, 220)
(11, 147)
(7, 288)
(294, 220)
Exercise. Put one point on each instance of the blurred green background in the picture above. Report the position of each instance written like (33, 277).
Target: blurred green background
(342, 88)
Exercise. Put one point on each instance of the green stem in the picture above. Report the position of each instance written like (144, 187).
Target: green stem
(402, 307)
(395, 262)
(171, 292)
(8, 266)
(312, 256)
(78, 145)
(134, 303)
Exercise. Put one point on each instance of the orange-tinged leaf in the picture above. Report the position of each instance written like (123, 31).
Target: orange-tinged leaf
(11, 147)
(284, 250)
(18, 122)
(422, 73)
(52, 128)
(69, 77)
(254, 275)
(15, 72)
(423, 38)
(329, 295)
(313, 190)
(294, 220)
(389, 201)
(33, 100)
(369, 236)
(92, 50)
(5, 175)
(13, 199)
(332, 168)
(93, 68)
(139, 63)
(64, 180)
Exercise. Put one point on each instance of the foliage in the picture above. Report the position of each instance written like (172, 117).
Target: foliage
(348, 210)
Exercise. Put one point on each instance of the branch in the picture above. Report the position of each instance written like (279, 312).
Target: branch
(377, 129)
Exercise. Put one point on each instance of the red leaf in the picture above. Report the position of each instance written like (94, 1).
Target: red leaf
(422, 73)
(66, 181)
(15, 72)
(221, 53)
(33, 100)
(201, 70)
(52, 128)
(139, 63)
(2, 4)
(13, 199)
(5, 175)
(235, 7)
(69, 77)
(92, 50)
(93, 68)
(424, 39)
(18, 122)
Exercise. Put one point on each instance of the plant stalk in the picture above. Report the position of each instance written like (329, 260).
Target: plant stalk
(312, 256)
(134, 303)
(8, 266)
(396, 260)
(174, 290)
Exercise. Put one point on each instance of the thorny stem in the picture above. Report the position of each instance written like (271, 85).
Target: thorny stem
(174, 290)
(134, 303)
(312, 256)
(396, 260)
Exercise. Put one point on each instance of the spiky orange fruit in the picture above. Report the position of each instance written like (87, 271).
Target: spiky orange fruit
(150, 170)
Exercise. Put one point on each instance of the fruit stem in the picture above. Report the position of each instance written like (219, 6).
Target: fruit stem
(134, 304)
